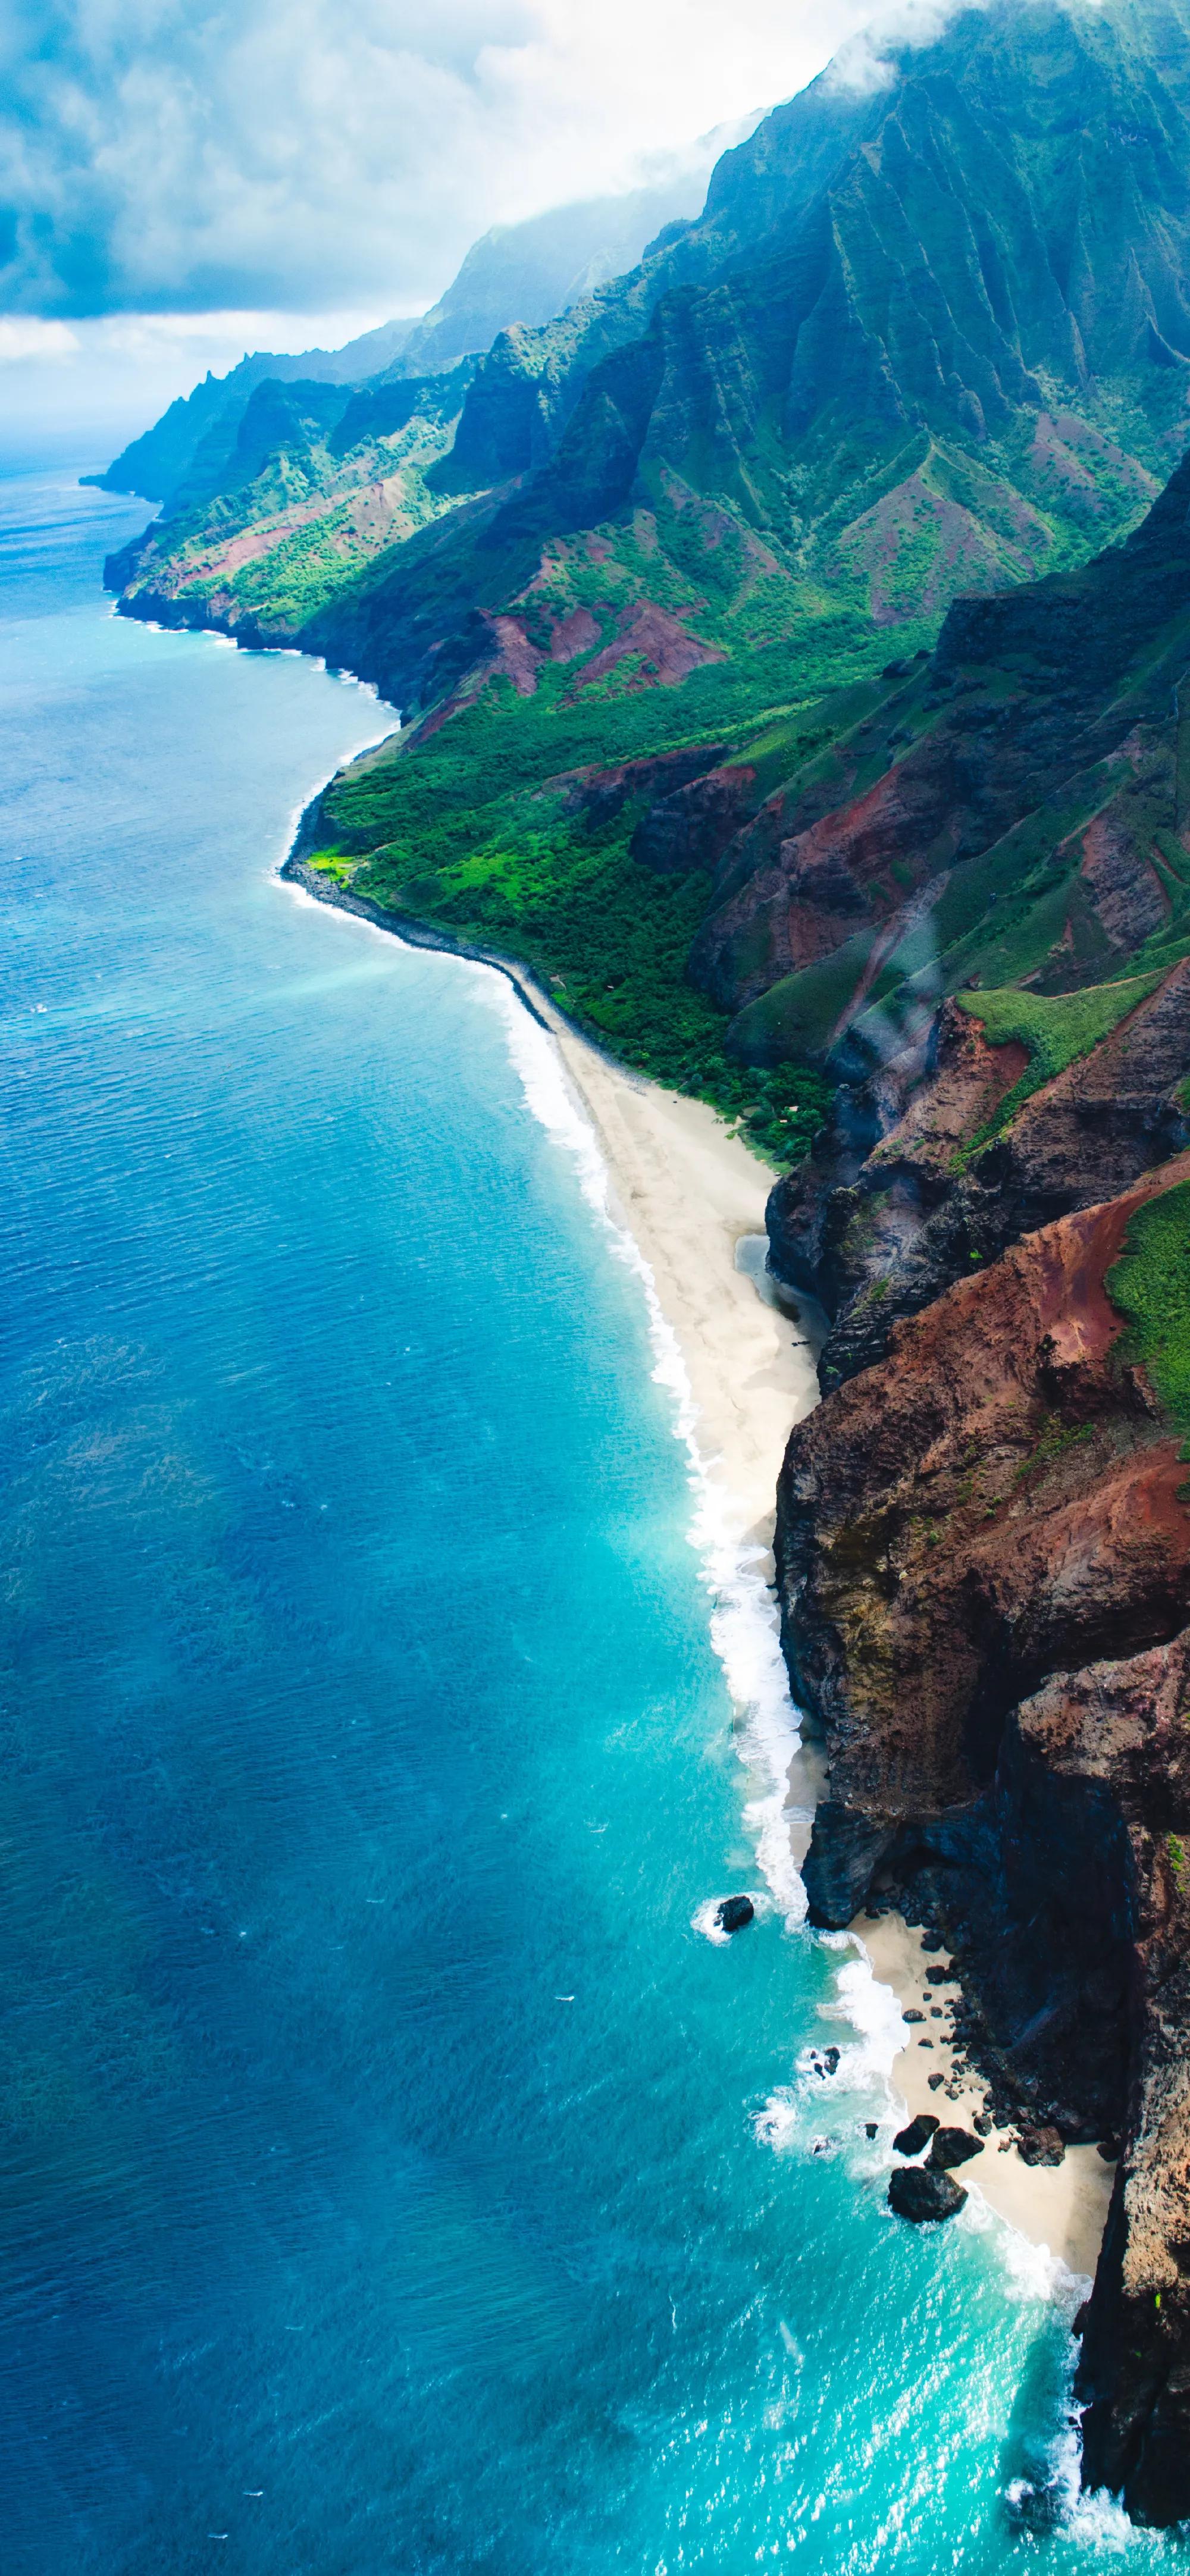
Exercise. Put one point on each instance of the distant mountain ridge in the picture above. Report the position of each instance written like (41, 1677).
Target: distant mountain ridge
(156, 464)
(517, 273)
(925, 336)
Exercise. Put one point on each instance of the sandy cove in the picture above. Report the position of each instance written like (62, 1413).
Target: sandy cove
(1061, 2206)
(689, 1191)
(691, 1194)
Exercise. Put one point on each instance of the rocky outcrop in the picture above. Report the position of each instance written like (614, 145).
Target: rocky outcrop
(921, 2194)
(899, 1197)
(953, 2147)
(598, 795)
(917, 2134)
(692, 825)
(984, 1564)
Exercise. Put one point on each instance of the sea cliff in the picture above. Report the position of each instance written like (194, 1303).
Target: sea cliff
(984, 1562)
(913, 908)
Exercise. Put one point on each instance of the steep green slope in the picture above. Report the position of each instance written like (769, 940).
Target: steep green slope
(519, 273)
(929, 337)
(787, 860)
(156, 464)
(317, 481)
(1018, 816)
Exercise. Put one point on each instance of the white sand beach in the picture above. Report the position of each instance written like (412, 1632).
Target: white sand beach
(1061, 2206)
(691, 1193)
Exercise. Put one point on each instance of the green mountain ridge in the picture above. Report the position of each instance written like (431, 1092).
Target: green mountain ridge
(928, 338)
(524, 273)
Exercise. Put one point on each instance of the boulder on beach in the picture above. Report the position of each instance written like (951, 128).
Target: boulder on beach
(910, 2141)
(922, 2192)
(1041, 2147)
(734, 1912)
(911, 2013)
(954, 2147)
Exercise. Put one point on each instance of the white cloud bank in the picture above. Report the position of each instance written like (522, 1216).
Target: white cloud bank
(307, 155)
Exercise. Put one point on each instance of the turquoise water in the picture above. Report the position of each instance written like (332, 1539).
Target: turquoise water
(392, 2178)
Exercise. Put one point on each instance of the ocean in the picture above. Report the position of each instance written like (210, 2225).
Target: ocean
(394, 2179)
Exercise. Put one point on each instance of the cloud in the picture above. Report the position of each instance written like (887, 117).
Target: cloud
(25, 339)
(866, 61)
(203, 155)
(86, 387)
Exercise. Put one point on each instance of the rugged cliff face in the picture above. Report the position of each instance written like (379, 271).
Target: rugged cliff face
(984, 1555)
(984, 1559)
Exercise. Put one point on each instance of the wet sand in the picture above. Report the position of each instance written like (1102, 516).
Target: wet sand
(1063, 2207)
(692, 1196)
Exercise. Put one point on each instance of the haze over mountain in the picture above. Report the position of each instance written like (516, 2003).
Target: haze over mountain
(929, 333)
(522, 273)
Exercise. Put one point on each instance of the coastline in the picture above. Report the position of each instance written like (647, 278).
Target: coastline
(692, 1196)
(1061, 2207)
(689, 1193)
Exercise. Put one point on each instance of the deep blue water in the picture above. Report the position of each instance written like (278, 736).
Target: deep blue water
(391, 2178)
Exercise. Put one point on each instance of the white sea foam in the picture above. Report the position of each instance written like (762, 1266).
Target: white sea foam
(703, 1920)
(792, 2116)
(367, 742)
(744, 1627)
(745, 1635)
(704, 1917)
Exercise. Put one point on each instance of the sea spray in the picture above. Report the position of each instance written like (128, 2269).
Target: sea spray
(745, 1635)
(744, 1626)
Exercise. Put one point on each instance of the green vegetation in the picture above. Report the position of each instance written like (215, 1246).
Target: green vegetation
(679, 466)
(1054, 1028)
(494, 830)
(1150, 1287)
(1177, 1862)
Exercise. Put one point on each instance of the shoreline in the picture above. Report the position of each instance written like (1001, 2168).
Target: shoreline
(1060, 2207)
(689, 1193)
(692, 1198)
